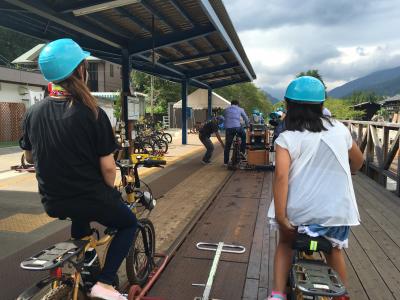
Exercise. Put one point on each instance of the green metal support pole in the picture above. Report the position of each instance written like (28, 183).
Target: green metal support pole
(209, 112)
(184, 90)
(125, 92)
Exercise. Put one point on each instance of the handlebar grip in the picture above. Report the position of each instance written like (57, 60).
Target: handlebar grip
(153, 162)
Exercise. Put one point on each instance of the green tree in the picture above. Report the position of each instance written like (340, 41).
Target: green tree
(364, 96)
(249, 96)
(343, 110)
(313, 73)
(164, 91)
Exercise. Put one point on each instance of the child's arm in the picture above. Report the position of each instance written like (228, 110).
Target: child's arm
(356, 158)
(281, 182)
(219, 139)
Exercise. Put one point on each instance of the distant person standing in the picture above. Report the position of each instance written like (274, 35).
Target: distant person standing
(233, 127)
(205, 132)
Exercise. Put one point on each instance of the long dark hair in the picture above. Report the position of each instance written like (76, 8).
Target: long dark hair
(303, 116)
(75, 85)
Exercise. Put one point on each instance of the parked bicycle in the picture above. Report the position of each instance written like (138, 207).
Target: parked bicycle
(73, 265)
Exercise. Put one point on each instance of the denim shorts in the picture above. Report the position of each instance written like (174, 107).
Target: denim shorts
(337, 235)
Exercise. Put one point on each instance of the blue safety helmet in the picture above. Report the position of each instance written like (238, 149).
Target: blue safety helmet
(306, 89)
(255, 111)
(60, 58)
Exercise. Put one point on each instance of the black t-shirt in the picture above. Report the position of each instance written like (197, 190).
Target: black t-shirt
(209, 128)
(67, 141)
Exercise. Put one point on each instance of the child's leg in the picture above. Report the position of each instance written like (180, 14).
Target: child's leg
(336, 261)
(283, 260)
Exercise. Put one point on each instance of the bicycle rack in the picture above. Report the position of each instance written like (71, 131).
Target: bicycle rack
(219, 248)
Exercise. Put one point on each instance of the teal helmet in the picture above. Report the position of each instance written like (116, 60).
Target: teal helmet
(306, 89)
(282, 109)
(60, 58)
(255, 111)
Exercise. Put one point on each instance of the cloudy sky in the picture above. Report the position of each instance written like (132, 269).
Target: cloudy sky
(343, 39)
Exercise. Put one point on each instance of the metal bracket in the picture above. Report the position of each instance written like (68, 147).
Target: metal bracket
(218, 248)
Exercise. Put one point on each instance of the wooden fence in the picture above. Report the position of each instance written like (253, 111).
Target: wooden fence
(379, 142)
(11, 116)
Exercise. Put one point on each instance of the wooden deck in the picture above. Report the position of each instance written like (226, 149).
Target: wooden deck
(238, 216)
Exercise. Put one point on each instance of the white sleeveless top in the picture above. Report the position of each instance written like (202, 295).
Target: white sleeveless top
(320, 185)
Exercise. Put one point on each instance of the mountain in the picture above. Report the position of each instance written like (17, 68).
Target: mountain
(384, 82)
(270, 97)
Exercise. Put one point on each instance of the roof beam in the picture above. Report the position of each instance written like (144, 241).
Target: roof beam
(223, 76)
(19, 24)
(46, 12)
(68, 7)
(147, 67)
(135, 20)
(170, 39)
(182, 11)
(156, 13)
(209, 10)
(109, 27)
(202, 72)
(226, 83)
(198, 56)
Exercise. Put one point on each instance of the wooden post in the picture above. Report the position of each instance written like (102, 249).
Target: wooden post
(385, 150)
(360, 134)
(370, 152)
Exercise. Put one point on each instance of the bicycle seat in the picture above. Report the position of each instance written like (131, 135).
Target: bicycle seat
(54, 256)
(304, 242)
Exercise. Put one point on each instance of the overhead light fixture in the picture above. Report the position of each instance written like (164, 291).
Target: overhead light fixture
(102, 6)
(189, 61)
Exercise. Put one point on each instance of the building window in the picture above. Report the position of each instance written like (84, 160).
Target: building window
(93, 82)
(111, 70)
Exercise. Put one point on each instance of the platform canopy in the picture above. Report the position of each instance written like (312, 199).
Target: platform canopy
(192, 39)
(199, 100)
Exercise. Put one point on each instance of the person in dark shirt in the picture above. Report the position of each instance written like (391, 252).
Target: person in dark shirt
(205, 132)
(71, 142)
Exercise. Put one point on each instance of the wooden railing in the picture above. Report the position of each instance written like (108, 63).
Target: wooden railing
(379, 142)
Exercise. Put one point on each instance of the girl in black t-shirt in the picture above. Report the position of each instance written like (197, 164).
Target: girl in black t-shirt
(70, 141)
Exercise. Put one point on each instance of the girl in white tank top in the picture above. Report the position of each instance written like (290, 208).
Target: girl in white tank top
(313, 190)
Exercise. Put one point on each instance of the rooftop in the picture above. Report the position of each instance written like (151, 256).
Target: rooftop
(174, 39)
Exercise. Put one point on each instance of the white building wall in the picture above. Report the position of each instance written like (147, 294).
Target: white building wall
(10, 92)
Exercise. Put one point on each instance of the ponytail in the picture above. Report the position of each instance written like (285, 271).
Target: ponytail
(79, 90)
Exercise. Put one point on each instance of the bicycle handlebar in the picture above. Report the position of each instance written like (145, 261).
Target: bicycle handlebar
(153, 162)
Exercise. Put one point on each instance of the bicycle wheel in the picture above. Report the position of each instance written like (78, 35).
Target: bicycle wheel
(235, 155)
(160, 146)
(145, 147)
(139, 261)
(167, 137)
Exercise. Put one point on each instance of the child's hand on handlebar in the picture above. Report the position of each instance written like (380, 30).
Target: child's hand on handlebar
(285, 225)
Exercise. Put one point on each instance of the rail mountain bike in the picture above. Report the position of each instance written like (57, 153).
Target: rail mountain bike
(74, 265)
(310, 277)
(236, 154)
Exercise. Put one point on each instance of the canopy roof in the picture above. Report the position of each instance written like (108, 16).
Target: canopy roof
(192, 39)
(199, 100)
(112, 96)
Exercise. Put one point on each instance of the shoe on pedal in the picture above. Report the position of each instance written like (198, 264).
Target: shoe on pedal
(101, 293)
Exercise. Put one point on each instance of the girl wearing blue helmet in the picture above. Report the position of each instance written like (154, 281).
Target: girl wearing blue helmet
(71, 142)
(313, 190)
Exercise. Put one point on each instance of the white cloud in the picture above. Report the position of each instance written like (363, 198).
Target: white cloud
(343, 39)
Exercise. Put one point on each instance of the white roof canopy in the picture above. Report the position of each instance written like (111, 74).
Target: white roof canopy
(199, 100)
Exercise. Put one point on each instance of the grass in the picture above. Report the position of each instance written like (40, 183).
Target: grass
(8, 144)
